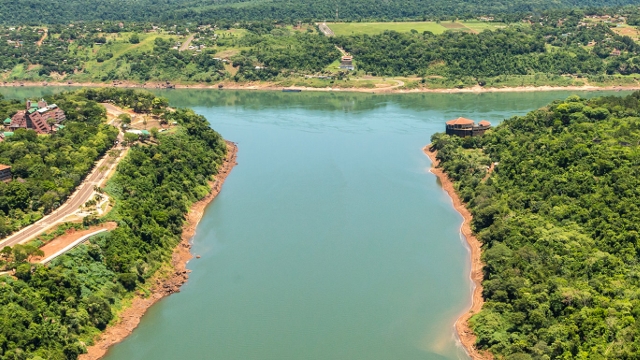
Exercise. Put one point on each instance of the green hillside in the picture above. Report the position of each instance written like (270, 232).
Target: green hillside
(558, 222)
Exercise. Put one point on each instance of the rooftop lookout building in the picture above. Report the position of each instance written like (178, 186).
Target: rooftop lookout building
(346, 62)
(465, 127)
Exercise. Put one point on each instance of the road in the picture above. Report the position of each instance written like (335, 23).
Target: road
(82, 194)
(325, 29)
(187, 42)
(44, 36)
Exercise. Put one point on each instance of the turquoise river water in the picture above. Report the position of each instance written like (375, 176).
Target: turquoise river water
(331, 239)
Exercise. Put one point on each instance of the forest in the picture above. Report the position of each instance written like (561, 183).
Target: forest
(54, 311)
(47, 169)
(38, 12)
(543, 47)
(558, 47)
(557, 219)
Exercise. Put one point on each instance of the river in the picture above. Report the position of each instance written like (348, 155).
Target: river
(330, 239)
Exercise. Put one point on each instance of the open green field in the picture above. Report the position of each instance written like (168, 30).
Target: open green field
(371, 28)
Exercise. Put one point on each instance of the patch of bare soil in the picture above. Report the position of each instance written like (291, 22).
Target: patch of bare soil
(70, 236)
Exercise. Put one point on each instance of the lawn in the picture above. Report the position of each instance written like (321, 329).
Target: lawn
(356, 28)
(627, 30)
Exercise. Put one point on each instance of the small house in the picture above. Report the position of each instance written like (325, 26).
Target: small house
(346, 62)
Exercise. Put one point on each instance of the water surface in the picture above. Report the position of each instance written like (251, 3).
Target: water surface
(330, 239)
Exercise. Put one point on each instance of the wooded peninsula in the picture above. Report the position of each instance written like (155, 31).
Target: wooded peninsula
(557, 220)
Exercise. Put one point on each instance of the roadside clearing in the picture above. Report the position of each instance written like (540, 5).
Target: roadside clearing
(70, 246)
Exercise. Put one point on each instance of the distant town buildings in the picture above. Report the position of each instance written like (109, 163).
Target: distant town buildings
(5, 172)
(465, 127)
(346, 62)
(40, 116)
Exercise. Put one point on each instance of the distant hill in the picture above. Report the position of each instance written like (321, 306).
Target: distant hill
(63, 11)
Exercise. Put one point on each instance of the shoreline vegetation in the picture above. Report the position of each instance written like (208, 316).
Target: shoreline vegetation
(270, 86)
(463, 330)
(131, 316)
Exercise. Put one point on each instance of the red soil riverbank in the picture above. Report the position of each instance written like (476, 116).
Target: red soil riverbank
(129, 319)
(465, 334)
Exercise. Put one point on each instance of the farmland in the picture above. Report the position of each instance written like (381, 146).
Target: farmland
(372, 28)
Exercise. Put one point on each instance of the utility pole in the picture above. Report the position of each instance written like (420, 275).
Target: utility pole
(336, 13)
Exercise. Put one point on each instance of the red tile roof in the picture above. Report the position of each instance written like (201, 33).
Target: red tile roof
(2, 167)
(484, 123)
(460, 121)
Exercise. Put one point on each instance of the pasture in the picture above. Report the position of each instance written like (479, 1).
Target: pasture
(372, 28)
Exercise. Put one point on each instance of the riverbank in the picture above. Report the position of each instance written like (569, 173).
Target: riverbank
(392, 89)
(130, 317)
(465, 333)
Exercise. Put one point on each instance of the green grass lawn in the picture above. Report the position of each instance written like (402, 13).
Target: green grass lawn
(480, 26)
(372, 28)
(357, 28)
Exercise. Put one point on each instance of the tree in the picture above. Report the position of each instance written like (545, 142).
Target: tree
(124, 118)
(130, 137)
(134, 39)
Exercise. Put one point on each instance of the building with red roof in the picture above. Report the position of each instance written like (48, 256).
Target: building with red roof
(466, 127)
(40, 117)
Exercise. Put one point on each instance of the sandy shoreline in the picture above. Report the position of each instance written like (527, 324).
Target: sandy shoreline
(130, 317)
(464, 332)
(394, 89)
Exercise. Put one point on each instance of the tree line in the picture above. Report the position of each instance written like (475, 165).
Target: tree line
(55, 12)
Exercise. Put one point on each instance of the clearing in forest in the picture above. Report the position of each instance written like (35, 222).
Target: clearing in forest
(372, 28)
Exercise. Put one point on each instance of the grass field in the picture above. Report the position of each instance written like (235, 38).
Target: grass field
(356, 28)
(627, 30)
(118, 46)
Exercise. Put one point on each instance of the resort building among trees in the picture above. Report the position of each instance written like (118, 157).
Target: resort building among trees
(5, 172)
(39, 116)
(465, 127)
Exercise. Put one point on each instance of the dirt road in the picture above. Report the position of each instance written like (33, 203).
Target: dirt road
(326, 30)
(44, 36)
(187, 42)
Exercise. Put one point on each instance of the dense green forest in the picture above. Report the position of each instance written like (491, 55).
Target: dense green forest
(47, 169)
(558, 223)
(48, 12)
(51, 312)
